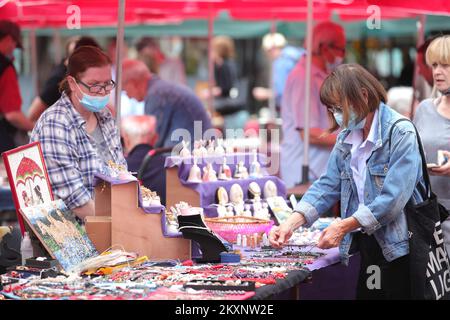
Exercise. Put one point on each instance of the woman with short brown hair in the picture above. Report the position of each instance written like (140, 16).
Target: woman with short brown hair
(373, 174)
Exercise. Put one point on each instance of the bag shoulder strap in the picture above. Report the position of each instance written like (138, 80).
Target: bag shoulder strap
(425, 174)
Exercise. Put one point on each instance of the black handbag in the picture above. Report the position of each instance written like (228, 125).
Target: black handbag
(429, 262)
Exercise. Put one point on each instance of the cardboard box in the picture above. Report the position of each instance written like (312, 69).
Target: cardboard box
(98, 229)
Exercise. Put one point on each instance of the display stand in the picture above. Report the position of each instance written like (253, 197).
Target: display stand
(132, 227)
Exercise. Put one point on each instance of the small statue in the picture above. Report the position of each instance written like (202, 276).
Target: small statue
(195, 174)
(222, 196)
(220, 150)
(225, 171)
(209, 174)
(210, 149)
(236, 194)
(254, 191)
(185, 150)
(255, 167)
(270, 189)
(241, 171)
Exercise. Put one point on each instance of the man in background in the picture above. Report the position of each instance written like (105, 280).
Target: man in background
(12, 119)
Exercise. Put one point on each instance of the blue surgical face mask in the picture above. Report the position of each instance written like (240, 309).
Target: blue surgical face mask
(93, 103)
(352, 124)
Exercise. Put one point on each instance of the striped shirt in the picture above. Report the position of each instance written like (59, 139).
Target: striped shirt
(70, 152)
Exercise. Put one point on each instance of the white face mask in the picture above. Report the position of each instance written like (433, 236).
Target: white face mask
(331, 66)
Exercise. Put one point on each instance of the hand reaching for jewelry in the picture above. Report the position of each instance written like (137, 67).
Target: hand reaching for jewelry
(279, 235)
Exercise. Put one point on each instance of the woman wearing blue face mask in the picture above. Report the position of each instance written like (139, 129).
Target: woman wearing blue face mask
(78, 133)
(372, 178)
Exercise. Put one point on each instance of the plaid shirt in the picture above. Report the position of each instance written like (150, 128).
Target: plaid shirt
(70, 153)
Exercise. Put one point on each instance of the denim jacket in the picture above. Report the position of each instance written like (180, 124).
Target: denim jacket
(394, 175)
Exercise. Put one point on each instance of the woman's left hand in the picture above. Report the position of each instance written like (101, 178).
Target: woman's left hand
(332, 236)
(443, 170)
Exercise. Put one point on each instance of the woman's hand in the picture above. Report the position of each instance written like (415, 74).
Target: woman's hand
(443, 170)
(332, 235)
(281, 234)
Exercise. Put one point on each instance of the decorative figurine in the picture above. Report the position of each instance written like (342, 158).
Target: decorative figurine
(220, 150)
(270, 189)
(195, 174)
(247, 212)
(222, 211)
(184, 153)
(230, 212)
(196, 152)
(209, 174)
(255, 167)
(225, 171)
(210, 149)
(241, 171)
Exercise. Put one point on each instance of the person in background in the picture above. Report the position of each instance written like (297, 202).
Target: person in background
(172, 68)
(226, 88)
(328, 50)
(373, 174)
(424, 83)
(12, 119)
(78, 134)
(149, 52)
(50, 93)
(139, 136)
(283, 58)
(175, 107)
(432, 120)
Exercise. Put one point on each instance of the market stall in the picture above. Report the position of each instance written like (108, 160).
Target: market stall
(134, 248)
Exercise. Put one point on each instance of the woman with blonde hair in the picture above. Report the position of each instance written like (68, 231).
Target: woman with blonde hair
(432, 120)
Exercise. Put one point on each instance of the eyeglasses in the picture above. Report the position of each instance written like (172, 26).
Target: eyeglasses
(97, 88)
(341, 50)
(334, 109)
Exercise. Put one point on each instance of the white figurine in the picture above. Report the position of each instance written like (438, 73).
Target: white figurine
(209, 174)
(225, 171)
(247, 212)
(221, 211)
(184, 153)
(241, 171)
(195, 174)
(230, 212)
(255, 167)
(219, 151)
(210, 149)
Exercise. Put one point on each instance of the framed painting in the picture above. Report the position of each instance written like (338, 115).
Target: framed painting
(28, 178)
(62, 236)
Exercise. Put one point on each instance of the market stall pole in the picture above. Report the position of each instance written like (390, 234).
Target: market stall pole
(309, 26)
(119, 53)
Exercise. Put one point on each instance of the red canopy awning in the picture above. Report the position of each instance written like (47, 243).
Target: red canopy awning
(55, 13)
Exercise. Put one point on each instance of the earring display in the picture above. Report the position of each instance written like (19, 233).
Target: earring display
(195, 174)
(254, 191)
(236, 194)
(222, 196)
(119, 171)
(270, 189)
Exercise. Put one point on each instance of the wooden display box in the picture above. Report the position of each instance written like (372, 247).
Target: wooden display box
(132, 228)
